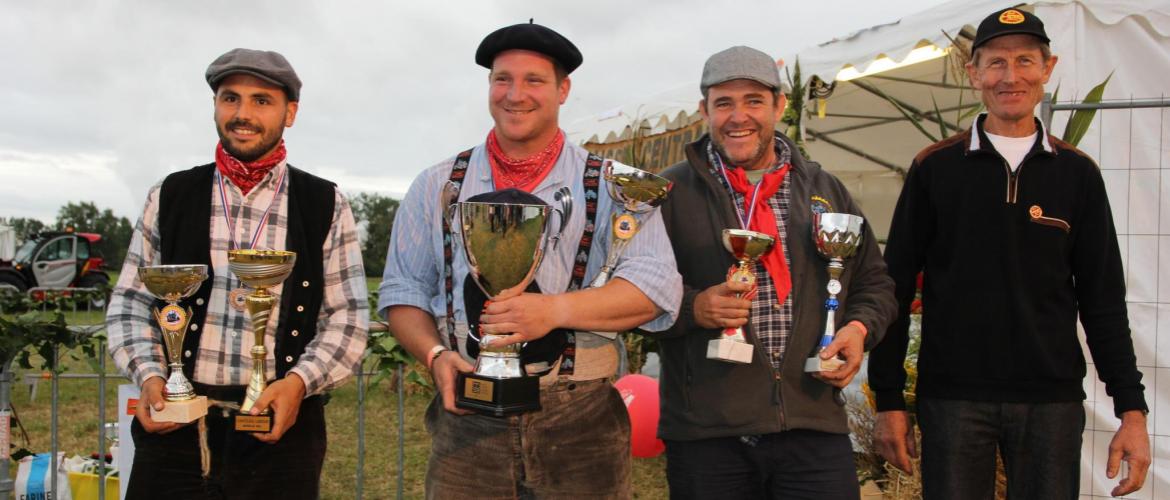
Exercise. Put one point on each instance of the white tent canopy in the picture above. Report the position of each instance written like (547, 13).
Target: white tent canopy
(864, 140)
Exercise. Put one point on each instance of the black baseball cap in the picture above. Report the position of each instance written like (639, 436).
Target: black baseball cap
(1010, 21)
(529, 36)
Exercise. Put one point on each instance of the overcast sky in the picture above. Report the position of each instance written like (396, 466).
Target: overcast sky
(99, 100)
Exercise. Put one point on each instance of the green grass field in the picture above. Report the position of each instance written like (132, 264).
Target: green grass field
(78, 423)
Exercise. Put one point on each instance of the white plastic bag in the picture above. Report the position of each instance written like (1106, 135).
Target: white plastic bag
(34, 480)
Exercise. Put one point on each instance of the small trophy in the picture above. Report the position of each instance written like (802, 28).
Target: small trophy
(258, 269)
(747, 247)
(504, 244)
(639, 192)
(837, 236)
(173, 283)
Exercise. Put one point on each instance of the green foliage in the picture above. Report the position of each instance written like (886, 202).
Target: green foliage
(1080, 120)
(377, 212)
(85, 217)
(794, 112)
(385, 354)
(23, 227)
(44, 333)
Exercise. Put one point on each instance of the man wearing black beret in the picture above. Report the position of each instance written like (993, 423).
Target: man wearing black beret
(578, 444)
(1012, 232)
(250, 197)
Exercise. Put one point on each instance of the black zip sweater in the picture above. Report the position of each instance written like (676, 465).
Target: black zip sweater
(1009, 260)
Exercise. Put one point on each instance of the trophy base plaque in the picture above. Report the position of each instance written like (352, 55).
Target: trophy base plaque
(816, 364)
(181, 412)
(726, 349)
(243, 422)
(497, 397)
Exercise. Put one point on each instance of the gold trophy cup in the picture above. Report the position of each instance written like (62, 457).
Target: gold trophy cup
(173, 283)
(747, 247)
(260, 270)
(638, 192)
(837, 236)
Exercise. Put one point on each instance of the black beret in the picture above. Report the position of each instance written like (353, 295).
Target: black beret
(263, 64)
(1009, 22)
(529, 36)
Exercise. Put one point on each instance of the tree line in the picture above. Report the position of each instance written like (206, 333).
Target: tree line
(374, 214)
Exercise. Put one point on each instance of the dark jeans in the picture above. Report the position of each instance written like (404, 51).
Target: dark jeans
(167, 466)
(1040, 445)
(576, 446)
(792, 464)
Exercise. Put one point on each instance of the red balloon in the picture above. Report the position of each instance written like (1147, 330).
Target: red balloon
(640, 393)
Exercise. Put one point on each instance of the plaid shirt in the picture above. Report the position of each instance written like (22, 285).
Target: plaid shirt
(224, 357)
(771, 322)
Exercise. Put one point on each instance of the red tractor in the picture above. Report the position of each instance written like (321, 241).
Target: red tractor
(54, 259)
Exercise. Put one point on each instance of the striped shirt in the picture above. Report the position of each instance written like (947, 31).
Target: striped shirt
(771, 322)
(224, 345)
(414, 262)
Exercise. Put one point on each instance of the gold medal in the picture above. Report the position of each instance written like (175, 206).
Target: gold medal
(744, 276)
(625, 226)
(237, 298)
(172, 318)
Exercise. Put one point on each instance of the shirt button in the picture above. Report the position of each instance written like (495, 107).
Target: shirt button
(305, 284)
(288, 359)
(198, 302)
(776, 355)
(187, 354)
(776, 306)
(194, 327)
(295, 333)
(235, 333)
(300, 309)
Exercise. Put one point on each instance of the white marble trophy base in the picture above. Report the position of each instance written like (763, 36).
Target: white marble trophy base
(182, 412)
(730, 350)
(816, 364)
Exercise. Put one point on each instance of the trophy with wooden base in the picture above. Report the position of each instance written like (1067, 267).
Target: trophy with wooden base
(504, 244)
(259, 270)
(747, 247)
(173, 283)
(837, 237)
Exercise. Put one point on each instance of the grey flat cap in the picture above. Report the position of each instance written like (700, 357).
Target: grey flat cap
(263, 64)
(740, 63)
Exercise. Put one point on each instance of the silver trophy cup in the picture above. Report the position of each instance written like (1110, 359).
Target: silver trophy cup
(504, 244)
(638, 192)
(837, 237)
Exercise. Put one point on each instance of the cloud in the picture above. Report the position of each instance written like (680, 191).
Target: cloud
(390, 87)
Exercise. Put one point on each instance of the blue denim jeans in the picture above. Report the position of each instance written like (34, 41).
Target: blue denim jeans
(1040, 444)
(797, 464)
(576, 446)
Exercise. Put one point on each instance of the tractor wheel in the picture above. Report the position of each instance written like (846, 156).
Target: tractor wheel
(99, 281)
(11, 284)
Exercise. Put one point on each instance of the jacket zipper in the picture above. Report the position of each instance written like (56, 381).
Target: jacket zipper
(1013, 181)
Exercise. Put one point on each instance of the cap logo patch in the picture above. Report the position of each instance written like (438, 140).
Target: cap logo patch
(1011, 16)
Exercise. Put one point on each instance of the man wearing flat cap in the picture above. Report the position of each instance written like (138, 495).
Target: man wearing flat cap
(1012, 232)
(249, 198)
(577, 445)
(761, 427)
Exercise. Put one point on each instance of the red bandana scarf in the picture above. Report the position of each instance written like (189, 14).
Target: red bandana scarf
(246, 175)
(524, 173)
(764, 221)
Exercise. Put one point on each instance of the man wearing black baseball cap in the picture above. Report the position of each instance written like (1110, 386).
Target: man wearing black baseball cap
(578, 444)
(250, 197)
(1012, 232)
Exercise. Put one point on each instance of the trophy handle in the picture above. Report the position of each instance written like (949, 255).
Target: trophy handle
(564, 195)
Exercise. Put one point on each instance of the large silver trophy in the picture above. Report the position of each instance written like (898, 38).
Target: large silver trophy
(639, 192)
(504, 244)
(173, 283)
(747, 247)
(837, 236)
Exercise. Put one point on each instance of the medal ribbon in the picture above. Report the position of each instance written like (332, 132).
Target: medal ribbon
(263, 219)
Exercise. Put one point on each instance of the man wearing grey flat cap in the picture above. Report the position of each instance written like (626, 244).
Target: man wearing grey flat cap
(249, 198)
(762, 427)
(577, 445)
(1012, 233)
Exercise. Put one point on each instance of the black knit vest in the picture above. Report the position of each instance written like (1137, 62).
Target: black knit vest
(184, 226)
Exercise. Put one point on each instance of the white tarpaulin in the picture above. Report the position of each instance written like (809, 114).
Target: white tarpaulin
(865, 140)
(7, 242)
